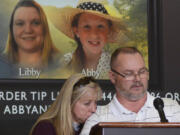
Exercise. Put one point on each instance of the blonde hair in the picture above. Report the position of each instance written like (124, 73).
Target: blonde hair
(60, 112)
(48, 48)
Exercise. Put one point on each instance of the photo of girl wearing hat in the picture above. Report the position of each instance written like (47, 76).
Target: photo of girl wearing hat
(92, 27)
(81, 51)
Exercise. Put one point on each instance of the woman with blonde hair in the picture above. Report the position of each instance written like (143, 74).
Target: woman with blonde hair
(74, 104)
(29, 42)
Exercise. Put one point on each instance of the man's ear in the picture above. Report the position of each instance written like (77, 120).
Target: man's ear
(112, 77)
(75, 30)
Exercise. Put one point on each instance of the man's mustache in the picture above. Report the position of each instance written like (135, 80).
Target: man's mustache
(137, 84)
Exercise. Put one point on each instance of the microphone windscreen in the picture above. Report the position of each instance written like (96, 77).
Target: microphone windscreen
(158, 103)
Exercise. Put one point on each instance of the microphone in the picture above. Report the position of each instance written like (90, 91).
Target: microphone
(159, 105)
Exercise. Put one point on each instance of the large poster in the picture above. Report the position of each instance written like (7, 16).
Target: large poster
(49, 43)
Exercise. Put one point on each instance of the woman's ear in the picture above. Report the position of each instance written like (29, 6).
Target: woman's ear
(75, 30)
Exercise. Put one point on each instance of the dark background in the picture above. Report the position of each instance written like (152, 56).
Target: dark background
(164, 45)
(164, 65)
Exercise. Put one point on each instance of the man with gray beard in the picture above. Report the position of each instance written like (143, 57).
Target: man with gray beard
(132, 102)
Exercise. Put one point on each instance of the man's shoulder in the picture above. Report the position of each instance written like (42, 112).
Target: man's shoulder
(169, 102)
(171, 106)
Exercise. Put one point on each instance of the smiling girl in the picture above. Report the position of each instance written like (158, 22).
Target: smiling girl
(92, 27)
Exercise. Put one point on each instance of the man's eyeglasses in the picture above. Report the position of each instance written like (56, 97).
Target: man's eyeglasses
(142, 73)
(84, 81)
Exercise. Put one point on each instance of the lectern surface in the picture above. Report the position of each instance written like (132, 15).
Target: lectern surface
(120, 128)
(141, 131)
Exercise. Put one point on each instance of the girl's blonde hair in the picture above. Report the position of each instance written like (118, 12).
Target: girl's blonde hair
(60, 112)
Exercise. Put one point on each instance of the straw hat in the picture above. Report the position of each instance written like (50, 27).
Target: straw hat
(62, 18)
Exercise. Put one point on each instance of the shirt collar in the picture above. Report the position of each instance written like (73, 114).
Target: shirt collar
(117, 108)
(76, 126)
(149, 101)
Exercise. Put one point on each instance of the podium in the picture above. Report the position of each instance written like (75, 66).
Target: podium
(135, 128)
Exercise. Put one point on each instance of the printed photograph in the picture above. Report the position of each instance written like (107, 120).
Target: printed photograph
(43, 39)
